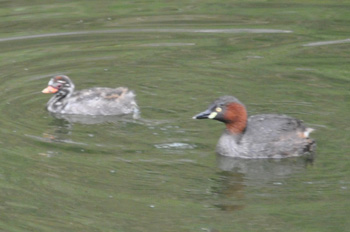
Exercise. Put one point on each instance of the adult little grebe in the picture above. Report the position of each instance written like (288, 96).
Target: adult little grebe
(259, 136)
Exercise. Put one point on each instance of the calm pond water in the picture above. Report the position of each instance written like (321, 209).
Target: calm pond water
(160, 172)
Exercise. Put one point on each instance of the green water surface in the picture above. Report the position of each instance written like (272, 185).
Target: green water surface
(160, 172)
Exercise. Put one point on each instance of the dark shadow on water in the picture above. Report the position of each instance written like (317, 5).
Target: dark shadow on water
(239, 174)
(89, 119)
(61, 126)
(263, 168)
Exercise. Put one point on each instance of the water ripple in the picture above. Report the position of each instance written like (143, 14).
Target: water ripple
(216, 31)
(175, 146)
(167, 44)
(322, 43)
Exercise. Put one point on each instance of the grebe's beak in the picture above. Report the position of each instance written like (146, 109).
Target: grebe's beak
(50, 89)
(208, 114)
